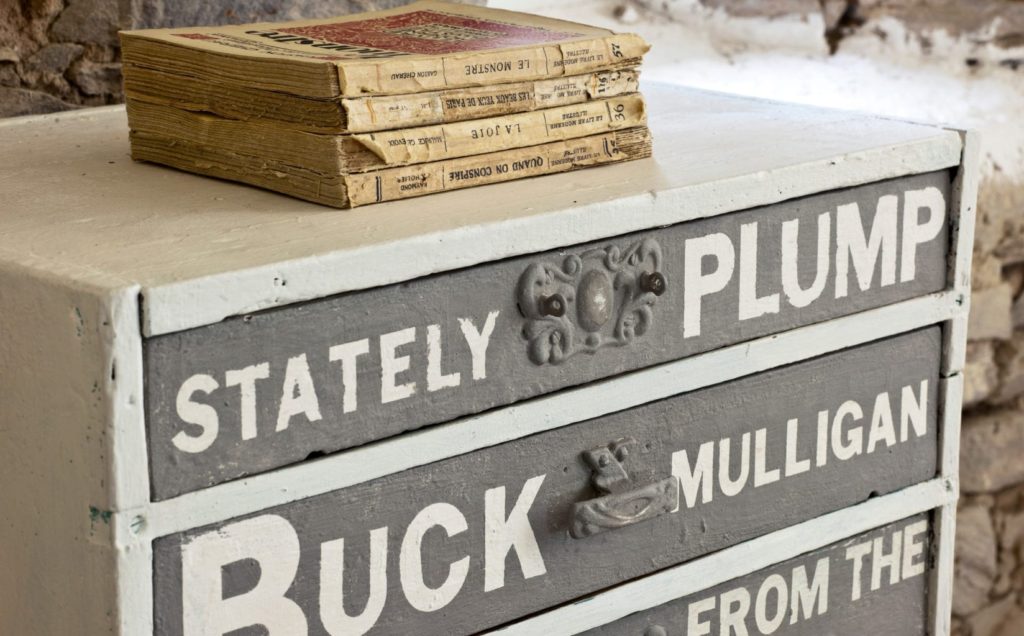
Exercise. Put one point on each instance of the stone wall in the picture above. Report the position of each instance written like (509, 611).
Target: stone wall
(62, 54)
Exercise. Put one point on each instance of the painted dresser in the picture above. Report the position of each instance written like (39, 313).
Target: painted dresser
(716, 392)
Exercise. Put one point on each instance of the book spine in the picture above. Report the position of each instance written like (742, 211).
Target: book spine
(413, 75)
(392, 184)
(478, 136)
(371, 114)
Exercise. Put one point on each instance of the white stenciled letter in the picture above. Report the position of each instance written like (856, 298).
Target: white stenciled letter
(270, 541)
(732, 487)
(245, 380)
(501, 534)
(794, 466)
(880, 560)
(915, 233)
(854, 444)
(437, 379)
(298, 395)
(191, 412)
(774, 583)
(913, 547)
(332, 591)
(695, 625)
(882, 428)
(856, 553)
(348, 353)
(701, 478)
(914, 411)
(410, 558)
(697, 284)
(750, 305)
(478, 341)
(391, 365)
(851, 245)
(797, 295)
(804, 596)
(734, 607)
(763, 476)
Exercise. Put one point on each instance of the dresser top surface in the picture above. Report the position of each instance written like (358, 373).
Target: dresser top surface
(198, 249)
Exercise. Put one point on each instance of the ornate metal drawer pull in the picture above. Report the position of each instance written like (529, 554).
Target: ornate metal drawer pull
(553, 305)
(653, 282)
(623, 505)
(600, 298)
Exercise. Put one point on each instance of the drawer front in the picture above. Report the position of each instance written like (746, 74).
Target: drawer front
(480, 539)
(875, 583)
(257, 392)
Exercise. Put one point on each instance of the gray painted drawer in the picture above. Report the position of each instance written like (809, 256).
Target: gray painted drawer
(257, 392)
(481, 539)
(875, 583)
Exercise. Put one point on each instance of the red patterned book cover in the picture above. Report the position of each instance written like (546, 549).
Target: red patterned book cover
(419, 47)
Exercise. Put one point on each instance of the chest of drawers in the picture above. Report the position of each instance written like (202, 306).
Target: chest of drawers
(714, 390)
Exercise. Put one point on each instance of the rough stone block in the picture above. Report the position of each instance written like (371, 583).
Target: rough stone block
(991, 316)
(54, 58)
(975, 562)
(986, 271)
(990, 620)
(21, 101)
(97, 79)
(765, 8)
(1010, 360)
(1017, 312)
(1013, 625)
(87, 21)
(1000, 227)
(991, 451)
(173, 13)
(987, 21)
(981, 375)
(9, 75)
(1011, 531)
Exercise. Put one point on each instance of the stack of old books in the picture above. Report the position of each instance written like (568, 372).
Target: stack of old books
(381, 106)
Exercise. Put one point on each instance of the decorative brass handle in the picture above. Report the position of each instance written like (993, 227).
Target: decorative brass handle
(624, 504)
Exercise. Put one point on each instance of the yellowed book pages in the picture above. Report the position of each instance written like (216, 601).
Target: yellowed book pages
(370, 151)
(424, 46)
(372, 113)
(346, 190)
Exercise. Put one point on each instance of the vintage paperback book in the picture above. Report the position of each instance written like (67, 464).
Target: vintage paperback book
(375, 112)
(386, 105)
(424, 46)
(389, 184)
(369, 151)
